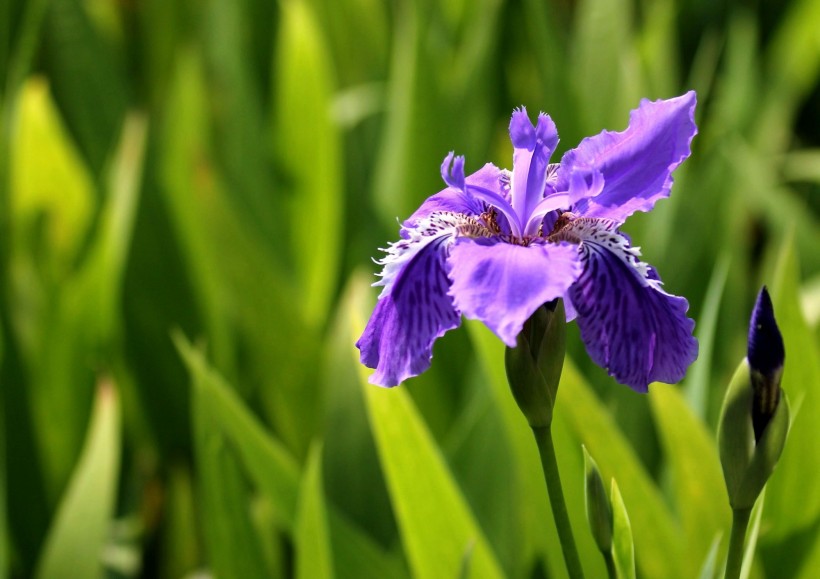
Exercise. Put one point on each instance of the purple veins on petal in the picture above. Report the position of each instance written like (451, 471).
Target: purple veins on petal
(398, 339)
(637, 163)
(630, 326)
(502, 284)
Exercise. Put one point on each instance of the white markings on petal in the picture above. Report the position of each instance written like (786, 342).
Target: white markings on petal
(595, 234)
(440, 225)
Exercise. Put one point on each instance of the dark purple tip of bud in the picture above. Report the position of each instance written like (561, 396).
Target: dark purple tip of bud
(766, 352)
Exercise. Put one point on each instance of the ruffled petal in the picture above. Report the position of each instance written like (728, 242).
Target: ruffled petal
(415, 310)
(636, 164)
(502, 284)
(630, 326)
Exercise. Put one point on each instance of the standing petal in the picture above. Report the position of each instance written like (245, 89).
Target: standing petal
(412, 312)
(637, 163)
(630, 326)
(533, 148)
(502, 284)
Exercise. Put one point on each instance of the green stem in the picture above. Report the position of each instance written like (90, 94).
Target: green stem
(546, 450)
(610, 565)
(734, 560)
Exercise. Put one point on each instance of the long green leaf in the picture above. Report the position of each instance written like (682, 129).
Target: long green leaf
(308, 143)
(314, 559)
(75, 542)
(792, 504)
(436, 524)
(657, 537)
(233, 547)
(691, 453)
(276, 473)
(623, 548)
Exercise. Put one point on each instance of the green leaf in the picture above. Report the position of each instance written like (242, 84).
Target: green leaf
(75, 541)
(309, 149)
(752, 534)
(599, 513)
(697, 480)
(266, 461)
(623, 548)
(314, 559)
(698, 379)
(87, 81)
(84, 315)
(656, 534)
(275, 472)
(232, 546)
(792, 504)
(435, 521)
(709, 568)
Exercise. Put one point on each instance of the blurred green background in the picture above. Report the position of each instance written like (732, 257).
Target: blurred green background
(190, 195)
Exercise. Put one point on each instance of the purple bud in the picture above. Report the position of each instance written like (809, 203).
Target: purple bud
(766, 355)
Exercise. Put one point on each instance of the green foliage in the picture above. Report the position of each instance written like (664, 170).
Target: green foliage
(225, 170)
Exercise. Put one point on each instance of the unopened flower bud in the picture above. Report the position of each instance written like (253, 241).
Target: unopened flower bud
(534, 365)
(766, 356)
(754, 420)
(599, 512)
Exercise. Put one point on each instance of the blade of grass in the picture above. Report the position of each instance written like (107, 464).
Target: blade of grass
(313, 551)
(275, 472)
(74, 545)
(801, 375)
(309, 149)
(690, 452)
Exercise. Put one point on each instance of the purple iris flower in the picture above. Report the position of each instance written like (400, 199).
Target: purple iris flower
(497, 244)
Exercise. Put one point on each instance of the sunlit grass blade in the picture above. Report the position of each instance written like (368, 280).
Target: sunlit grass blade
(607, 82)
(709, 568)
(699, 376)
(266, 461)
(275, 473)
(314, 559)
(307, 141)
(791, 503)
(657, 536)
(85, 314)
(76, 539)
(697, 480)
(623, 548)
(435, 520)
(233, 549)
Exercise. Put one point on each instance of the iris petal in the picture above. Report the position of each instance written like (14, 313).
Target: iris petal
(630, 326)
(636, 164)
(487, 179)
(416, 310)
(533, 148)
(502, 284)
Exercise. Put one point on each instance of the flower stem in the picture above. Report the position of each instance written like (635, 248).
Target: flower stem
(734, 560)
(546, 450)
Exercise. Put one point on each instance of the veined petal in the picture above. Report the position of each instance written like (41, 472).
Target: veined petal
(412, 312)
(636, 164)
(533, 148)
(502, 284)
(630, 326)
